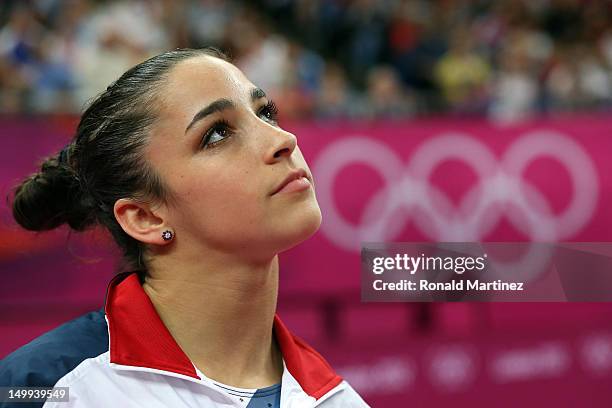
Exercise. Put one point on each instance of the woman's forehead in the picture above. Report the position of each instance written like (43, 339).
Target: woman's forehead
(204, 79)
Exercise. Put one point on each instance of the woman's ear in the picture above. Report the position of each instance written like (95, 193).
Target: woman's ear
(140, 222)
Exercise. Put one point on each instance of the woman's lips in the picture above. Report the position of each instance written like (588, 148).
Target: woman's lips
(299, 184)
(296, 180)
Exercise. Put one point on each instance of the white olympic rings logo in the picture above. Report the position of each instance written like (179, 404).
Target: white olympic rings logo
(500, 191)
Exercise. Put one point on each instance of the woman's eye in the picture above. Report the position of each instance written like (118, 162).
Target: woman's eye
(269, 113)
(218, 133)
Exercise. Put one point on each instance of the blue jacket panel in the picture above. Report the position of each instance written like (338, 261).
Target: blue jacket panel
(46, 359)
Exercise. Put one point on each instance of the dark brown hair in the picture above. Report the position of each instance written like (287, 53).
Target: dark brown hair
(104, 162)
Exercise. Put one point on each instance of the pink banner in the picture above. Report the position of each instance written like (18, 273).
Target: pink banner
(449, 180)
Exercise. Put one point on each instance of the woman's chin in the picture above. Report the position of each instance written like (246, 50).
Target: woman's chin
(300, 228)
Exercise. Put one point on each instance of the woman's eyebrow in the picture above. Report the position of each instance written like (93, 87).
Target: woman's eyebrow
(222, 104)
(257, 93)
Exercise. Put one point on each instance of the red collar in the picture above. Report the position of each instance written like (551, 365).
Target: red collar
(139, 338)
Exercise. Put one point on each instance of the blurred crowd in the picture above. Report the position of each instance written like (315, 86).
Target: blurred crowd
(506, 59)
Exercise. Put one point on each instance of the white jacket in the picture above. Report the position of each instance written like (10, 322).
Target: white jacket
(145, 367)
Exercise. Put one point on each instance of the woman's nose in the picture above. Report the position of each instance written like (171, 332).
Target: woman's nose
(282, 144)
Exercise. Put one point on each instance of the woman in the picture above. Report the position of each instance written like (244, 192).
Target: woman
(182, 160)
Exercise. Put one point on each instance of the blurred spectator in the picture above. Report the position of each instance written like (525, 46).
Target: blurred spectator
(58, 84)
(416, 41)
(365, 23)
(114, 38)
(462, 74)
(262, 55)
(515, 94)
(19, 38)
(301, 83)
(336, 99)
(207, 22)
(386, 97)
(605, 47)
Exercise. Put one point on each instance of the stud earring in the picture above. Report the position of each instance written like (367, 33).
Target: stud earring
(167, 235)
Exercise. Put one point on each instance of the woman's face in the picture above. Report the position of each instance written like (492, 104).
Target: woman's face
(219, 150)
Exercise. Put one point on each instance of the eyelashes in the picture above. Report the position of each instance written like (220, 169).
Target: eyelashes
(221, 130)
(270, 112)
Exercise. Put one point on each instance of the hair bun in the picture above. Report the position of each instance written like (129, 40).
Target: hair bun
(52, 197)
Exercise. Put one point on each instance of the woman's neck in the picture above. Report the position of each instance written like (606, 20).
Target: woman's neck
(221, 315)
